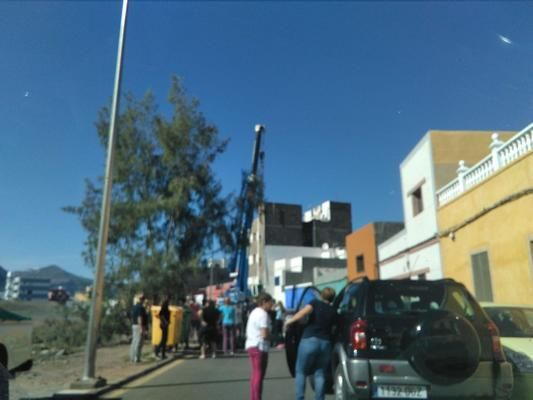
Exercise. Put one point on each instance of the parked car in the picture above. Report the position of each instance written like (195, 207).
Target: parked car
(515, 323)
(413, 340)
(15, 342)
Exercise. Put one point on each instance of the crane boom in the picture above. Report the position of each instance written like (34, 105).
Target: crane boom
(250, 197)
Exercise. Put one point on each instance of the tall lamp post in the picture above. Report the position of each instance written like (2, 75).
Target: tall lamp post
(88, 379)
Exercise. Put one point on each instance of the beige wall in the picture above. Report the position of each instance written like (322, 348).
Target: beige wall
(504, 232)
(449, 147)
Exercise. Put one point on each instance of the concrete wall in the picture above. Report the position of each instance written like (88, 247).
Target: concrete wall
(413, 264)
(276, 253)
(506, 233)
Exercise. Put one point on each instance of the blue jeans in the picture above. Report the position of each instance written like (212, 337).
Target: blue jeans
(313, 358)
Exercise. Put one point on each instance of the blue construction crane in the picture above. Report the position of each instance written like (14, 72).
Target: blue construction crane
(250, 197)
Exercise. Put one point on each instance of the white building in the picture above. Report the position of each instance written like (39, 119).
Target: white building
(280, 235)
(25, 288)
(414, 252)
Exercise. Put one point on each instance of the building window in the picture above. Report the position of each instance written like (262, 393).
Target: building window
(481, 273)
(418, 204)
(277, 281)
(360, 263)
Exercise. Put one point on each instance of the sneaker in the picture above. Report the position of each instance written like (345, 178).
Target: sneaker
(202, 356)
(232, 353)
(213, 355)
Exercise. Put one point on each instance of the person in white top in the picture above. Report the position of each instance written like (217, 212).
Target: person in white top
(258, 343)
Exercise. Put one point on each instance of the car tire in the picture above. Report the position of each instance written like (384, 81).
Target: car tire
(340, 387)
(443, 348)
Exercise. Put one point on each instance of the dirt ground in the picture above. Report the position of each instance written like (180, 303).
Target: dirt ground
(57, 373)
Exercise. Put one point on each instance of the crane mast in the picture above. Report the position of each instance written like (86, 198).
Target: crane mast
(249, 199)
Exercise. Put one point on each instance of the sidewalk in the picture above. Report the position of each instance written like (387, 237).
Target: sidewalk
(56, 375)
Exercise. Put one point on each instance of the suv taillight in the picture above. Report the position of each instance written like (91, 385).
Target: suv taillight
(358, 334)
(497, 350)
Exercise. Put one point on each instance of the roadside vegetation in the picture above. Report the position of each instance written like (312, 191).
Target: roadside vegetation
(67, 332)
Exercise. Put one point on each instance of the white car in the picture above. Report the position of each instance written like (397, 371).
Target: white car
(515, 323)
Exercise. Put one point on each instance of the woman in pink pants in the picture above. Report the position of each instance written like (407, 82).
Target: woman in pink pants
(258, 342)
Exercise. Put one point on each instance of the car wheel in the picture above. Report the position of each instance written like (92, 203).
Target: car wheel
(340, 386)
(443, 348)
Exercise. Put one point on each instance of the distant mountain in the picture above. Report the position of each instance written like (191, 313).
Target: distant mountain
(58, 277)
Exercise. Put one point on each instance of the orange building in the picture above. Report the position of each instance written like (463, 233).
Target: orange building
(362, 248)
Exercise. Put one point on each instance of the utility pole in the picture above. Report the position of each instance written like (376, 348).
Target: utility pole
(88, 379)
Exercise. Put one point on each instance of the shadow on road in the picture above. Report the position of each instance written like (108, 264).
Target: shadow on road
(162, 385)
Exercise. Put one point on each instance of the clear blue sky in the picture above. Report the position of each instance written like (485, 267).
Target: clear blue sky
(345, 91)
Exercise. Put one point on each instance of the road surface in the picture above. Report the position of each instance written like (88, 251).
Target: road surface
(223, 378)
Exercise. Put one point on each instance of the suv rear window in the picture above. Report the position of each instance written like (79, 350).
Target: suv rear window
(399, 297)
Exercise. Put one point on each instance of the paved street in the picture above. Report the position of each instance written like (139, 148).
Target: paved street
(220, 379)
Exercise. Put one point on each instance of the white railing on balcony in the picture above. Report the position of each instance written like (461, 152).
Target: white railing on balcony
(501, 155)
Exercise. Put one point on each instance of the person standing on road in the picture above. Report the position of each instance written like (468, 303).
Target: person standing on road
(258, 330)
(164, 323)
(314, 351)
(228, 326)
(209, 316)
(139, 324)
(277, 328)
(185, 323)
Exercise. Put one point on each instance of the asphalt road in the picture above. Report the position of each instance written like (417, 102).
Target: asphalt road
(211, 379)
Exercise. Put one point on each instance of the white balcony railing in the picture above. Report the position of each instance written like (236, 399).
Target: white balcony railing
(501, 155)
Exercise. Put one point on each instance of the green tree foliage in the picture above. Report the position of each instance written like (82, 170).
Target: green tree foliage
(167, 207)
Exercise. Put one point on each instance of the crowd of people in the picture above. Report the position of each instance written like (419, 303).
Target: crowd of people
(255, 325)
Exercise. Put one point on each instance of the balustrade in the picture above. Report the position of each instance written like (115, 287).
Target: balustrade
(501, 155)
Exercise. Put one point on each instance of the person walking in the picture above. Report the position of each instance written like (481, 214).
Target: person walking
(278, 323)
(164, 323)
(258, 328)
(228, 326)
(314, 351)
(139, 324)
(209, 316)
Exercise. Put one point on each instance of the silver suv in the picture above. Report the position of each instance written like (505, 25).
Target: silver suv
(406, 339)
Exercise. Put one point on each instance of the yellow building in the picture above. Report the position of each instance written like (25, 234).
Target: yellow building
(485, 219)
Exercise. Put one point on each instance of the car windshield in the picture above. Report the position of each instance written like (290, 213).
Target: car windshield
(512, 321)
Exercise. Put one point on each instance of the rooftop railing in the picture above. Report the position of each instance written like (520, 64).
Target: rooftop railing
(501, 154)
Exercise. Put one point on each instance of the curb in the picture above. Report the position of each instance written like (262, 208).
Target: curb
(96, 393)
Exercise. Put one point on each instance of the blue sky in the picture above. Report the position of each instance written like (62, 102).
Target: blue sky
(345, 90)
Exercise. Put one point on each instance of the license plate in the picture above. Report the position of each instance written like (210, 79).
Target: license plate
(400, 392)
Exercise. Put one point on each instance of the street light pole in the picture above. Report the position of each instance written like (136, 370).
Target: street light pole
(98, 285)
